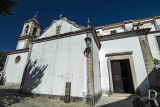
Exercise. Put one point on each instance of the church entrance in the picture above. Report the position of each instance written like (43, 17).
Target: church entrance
(121, 76)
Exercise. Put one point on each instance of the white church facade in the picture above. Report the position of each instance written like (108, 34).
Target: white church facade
(101, 61)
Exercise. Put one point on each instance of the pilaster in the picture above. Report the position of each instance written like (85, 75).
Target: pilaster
(90, 77)
(148, 59)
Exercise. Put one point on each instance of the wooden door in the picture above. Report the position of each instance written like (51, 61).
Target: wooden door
(117, 77)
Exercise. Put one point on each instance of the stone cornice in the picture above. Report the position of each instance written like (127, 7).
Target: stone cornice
(69, 34)
(125, 34)
(17, 51)
(33, 19)
(152, 32)
(24, 37)
(119, 53)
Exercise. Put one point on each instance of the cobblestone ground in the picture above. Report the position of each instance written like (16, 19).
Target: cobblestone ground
(10, 97)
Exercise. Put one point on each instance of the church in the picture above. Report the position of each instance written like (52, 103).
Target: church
(85, 63)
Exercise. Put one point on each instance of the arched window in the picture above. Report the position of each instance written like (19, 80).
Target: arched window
(34, 31)
(26, 29)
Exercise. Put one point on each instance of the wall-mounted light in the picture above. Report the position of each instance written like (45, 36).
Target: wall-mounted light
(87, 51)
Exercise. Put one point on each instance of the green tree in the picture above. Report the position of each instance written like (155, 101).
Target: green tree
(2, 58)
(5, 6)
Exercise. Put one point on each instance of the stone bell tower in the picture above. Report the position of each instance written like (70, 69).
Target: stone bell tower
(31, 30)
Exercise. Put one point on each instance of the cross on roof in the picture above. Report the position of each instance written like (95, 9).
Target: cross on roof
(60, 16)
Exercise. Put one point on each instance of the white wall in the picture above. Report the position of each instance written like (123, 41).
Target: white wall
(96, 68)
(21, 44)
(64, 62)
(108, 31)
(154, 45)
(129, 26)
(65, 27)
(14, 71)
(122, 45)
(149, 25)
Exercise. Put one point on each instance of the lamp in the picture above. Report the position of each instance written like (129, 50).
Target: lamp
(87, 51)
(88, 41)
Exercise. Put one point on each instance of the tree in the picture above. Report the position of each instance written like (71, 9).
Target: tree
(2, 58)
(5, 6)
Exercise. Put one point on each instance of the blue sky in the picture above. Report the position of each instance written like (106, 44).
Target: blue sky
(100, 12)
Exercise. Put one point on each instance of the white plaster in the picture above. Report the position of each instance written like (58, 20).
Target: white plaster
(65, 27)
(108, 31)
(158, 21)
(148, 25)
(153, 45)
(123, 45)
(14, 71)
(21, 44)
(128, 26)
(65, 63)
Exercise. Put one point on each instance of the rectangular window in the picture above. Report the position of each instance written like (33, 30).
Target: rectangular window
(113, 32)
(158, 41)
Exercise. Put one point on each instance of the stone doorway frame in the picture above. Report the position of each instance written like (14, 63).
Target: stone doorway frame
(121, 56)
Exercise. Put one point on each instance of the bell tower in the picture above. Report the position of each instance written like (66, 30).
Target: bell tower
(31, 30)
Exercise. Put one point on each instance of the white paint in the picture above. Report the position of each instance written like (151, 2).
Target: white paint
(65, 27)
(96, 68)
(14, 71)
(100, 31)
(129, 26)
(123, 45)
(64, 61)
(21, 44)
(148, 25)
(158, 21)
(108, 31)
(154, 45)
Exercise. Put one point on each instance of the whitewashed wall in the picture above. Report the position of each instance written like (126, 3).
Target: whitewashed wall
(123, 45)
(14, 71)
(154, 45)
(21, 44)
(64, 62)
(108, 31)
(96, 68)
(129, 26)
(65, 27)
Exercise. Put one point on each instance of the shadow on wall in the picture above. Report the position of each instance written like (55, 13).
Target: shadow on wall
(32, 76)
(139, 99)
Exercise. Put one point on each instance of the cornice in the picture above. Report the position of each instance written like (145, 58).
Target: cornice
(17, 51)
(33, 19)
(125, 34)
(119, 53)
(152, 32)
(24, 37)
(69, 34)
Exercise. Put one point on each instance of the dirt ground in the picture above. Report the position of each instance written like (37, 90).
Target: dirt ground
(10, 97)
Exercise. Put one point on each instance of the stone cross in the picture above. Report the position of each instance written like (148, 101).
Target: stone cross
(60, 16)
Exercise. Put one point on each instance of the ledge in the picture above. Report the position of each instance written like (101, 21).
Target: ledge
(125, 34)
(119, 53)
(24, 37)
(59, 36)
(17, 51)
